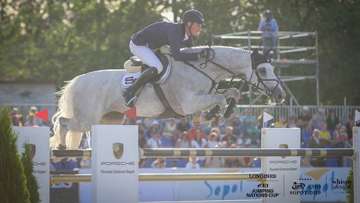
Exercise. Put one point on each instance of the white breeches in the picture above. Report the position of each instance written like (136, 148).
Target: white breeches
(146, 55)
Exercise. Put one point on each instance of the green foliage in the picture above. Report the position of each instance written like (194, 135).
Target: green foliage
(57, 40)
(12, 178)
(31, 183)
(350, 188)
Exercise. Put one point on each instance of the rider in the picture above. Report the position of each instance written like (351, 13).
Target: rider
(158, 34)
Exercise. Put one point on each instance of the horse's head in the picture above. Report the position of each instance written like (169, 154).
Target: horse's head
(269, 82)
(224, 62)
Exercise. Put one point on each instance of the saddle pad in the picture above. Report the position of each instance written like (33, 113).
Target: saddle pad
(129, 79)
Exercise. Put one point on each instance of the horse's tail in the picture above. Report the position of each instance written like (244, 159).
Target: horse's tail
(65, 105)
(66, 100)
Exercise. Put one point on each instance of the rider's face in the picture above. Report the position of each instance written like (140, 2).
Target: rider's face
(195, 29)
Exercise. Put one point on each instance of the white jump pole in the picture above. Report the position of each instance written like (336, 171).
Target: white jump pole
(356, 164)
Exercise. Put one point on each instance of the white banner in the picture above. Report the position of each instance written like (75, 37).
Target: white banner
(286, 169)
(38, 138)
(115, 163)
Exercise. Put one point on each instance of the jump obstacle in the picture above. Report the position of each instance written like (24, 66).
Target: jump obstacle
(215, 152)
(222, 152)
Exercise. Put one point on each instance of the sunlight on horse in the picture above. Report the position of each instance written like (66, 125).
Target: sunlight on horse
(188, 89)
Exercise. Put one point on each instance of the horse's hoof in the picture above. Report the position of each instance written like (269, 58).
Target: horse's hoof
(212, 112)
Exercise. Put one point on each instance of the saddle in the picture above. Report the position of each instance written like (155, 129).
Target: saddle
(135, 65)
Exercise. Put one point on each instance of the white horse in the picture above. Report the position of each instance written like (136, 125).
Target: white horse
(190, 87)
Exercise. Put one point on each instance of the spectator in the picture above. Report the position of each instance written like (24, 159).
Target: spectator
(281, 123)
(193, 131)
(158, 163)
(217, 131)
(240, 140)
(153, 129)
(213, 140)
(142, 139)
(269, 28)
(229, 138)
(214, 161)
(331, 121)
(199, 141)
(169, 127)
(291, 122)
(192, 163)
(317, 119)
(349, 126)
(317, 142)
(155, 140)
(233, 162)
(183, 141)
(324, 133)
(31, 119)
(16, 117)
(183, 125)
(342, 138)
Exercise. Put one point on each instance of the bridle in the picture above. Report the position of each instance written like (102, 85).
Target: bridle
(269, 92)
(260, 80)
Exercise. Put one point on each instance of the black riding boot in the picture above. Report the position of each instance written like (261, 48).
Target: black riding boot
(130, 92)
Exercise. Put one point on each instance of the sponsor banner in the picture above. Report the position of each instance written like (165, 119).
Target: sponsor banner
(287, 169)
(38, 140)
(322, 184)
(201, 190)
(317, 184)
(115, 163)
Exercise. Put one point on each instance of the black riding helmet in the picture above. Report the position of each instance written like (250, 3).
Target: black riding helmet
(193, 15)
(268, 14)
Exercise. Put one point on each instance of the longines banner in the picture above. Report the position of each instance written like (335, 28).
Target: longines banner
(287, 169)
(38, 140)
(316, 185)
(115, 163)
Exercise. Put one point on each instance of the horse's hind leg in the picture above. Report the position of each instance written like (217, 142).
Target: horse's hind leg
(69, 137)
(62, 131)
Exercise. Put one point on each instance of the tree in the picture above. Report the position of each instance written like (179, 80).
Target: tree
(12, 178)
(55, 40)
(32, 185)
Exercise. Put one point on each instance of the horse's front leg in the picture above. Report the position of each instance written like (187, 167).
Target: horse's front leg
(196, 103)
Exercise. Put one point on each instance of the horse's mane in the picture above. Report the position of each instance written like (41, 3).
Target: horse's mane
(215, 47)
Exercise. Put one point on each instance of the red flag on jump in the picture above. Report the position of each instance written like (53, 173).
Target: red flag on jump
(131, 113)
(43, 115)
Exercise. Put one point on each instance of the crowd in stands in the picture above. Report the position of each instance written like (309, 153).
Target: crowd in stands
(318, 130)
(30, 118)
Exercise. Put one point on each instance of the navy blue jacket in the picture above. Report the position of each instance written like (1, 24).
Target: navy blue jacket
(163, 33)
